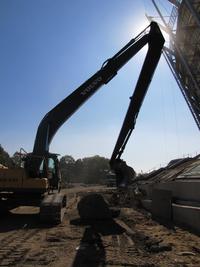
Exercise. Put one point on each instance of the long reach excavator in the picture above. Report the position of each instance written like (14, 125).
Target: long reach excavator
(38, 182)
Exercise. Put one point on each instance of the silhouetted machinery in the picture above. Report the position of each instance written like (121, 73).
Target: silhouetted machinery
(31, 185)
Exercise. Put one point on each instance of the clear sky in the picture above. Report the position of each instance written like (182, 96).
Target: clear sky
(49, 47)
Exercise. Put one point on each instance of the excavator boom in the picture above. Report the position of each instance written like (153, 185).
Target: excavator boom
(60, 113)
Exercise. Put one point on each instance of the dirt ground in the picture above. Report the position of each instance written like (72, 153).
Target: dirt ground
(130, 239)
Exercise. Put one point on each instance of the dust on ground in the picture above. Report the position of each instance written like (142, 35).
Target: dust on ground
(130, 239)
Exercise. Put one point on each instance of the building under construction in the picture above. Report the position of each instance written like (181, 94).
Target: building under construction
(172, 193)
(183, 52)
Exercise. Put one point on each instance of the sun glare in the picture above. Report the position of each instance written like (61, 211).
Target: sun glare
(136, 25)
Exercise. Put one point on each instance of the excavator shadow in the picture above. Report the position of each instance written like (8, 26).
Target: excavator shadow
(20, 220)
(91, 250)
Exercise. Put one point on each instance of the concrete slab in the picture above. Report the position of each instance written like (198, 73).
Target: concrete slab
(162, 205)
(187, 216)
(183, 190)
(147, 204)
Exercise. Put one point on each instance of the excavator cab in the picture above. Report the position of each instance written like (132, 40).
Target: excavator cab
(49, 168)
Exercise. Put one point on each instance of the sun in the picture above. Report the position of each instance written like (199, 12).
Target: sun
(136, 25)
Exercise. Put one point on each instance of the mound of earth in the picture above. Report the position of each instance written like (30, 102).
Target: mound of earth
(94, 207)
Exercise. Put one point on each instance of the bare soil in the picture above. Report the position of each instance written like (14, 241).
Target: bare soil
(130, 239)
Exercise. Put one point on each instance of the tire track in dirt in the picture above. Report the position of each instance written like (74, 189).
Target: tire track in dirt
(14, 247)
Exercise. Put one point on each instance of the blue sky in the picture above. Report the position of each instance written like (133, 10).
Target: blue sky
(49, 47)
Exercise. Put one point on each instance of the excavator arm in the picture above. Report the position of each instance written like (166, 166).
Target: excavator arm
(54, 119)
(153, 55)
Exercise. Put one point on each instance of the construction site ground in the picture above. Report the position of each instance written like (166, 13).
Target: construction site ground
(131, 238)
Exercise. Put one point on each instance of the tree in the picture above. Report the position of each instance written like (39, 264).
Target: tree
(95, 169)
(5, 158)
(90, 170)
(67, 165)
(16, 159)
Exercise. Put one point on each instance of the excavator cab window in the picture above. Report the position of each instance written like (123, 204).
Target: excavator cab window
(52, 173)
(51, 168)
(48, 169)
(43, 169)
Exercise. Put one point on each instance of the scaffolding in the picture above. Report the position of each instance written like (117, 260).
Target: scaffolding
(183, 52)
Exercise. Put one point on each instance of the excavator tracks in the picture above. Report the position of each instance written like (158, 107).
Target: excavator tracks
(14, 247)
(52, 208)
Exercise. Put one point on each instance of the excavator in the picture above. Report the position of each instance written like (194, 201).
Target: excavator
(38, 182)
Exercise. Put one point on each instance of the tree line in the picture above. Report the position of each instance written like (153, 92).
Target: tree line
(88, 170)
